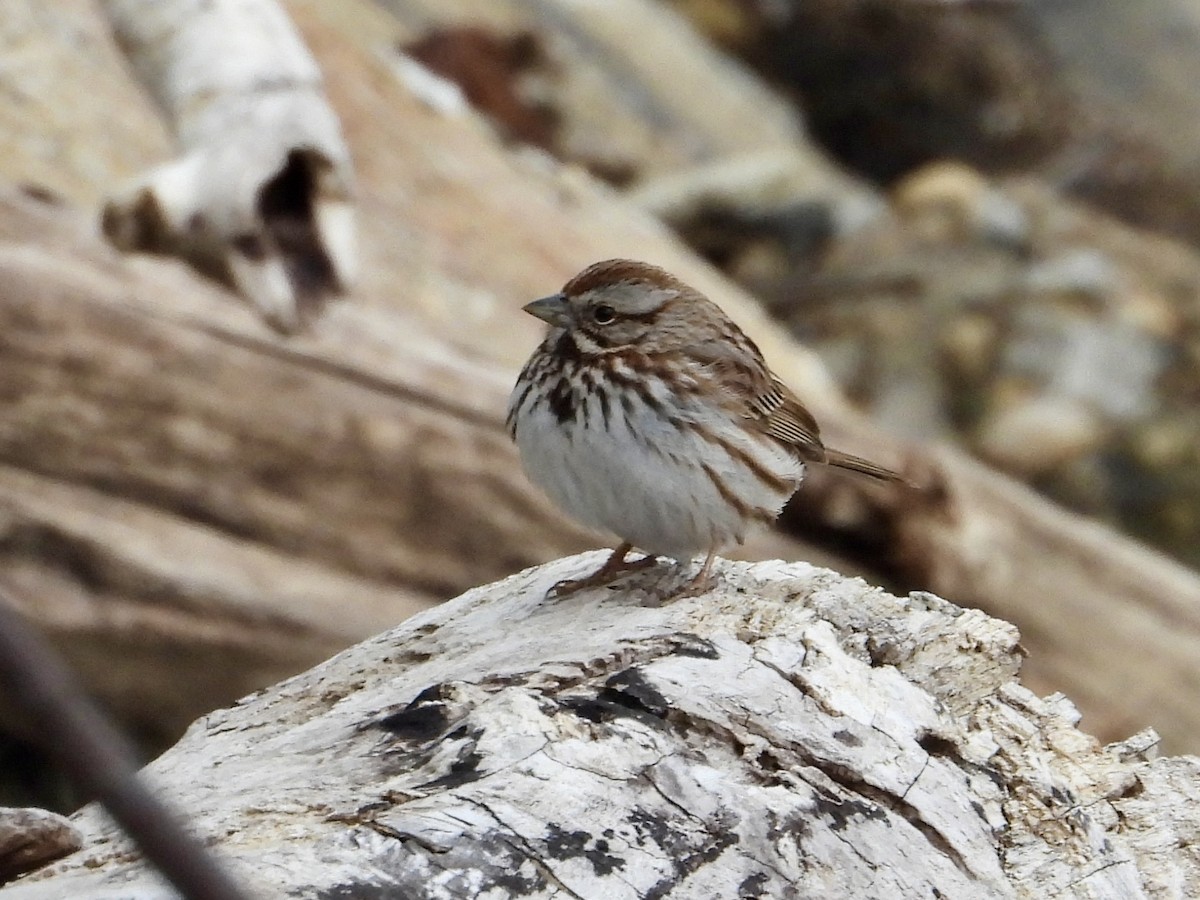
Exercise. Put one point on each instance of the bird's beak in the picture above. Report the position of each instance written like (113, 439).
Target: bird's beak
(552, 309)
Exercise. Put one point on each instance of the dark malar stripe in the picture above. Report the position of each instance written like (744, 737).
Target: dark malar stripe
(567, 351)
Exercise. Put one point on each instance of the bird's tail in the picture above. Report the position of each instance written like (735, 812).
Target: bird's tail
(862, 466)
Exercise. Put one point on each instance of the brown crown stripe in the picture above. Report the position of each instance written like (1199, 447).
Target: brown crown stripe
(742, 508)
(566, 350)
(610, 271)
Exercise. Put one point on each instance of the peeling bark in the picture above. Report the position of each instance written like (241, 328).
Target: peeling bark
(262, 197)
(791, 734)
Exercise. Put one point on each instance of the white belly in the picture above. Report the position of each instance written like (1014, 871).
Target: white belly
(662, 488)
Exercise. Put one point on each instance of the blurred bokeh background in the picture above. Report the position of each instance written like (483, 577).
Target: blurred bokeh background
(976, 222)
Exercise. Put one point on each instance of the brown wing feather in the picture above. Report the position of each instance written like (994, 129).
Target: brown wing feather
(758, 395)
(781, 414)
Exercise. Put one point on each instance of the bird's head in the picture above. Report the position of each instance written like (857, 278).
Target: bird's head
(622, 303)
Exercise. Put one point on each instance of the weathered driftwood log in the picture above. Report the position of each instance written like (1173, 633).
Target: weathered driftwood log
(791, 734)
(262, 195)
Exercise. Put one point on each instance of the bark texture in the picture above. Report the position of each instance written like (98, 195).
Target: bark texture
(793, 733)
(262, 195)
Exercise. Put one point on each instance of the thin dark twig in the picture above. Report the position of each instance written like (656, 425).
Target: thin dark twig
(99, 759)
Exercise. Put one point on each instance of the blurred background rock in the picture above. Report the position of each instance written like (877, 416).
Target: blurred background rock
(982, 215)
(1028, 283)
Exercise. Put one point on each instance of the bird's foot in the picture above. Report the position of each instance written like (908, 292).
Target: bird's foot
(700, 583)
(615, 566)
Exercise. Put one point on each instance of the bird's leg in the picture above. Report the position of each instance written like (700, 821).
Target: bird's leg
(701, 582)
(615, 565)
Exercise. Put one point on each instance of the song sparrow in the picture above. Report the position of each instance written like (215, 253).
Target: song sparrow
(647, 412)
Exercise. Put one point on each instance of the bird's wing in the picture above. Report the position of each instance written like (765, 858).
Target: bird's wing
(753, 392)
(756, 394)
(775, 409)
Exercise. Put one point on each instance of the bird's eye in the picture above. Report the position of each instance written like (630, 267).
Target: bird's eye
(603, 314)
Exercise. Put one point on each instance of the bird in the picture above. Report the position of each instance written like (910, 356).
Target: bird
(646, 412)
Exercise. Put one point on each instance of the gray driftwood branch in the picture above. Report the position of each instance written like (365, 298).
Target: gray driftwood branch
(794, 733)
(262, 195)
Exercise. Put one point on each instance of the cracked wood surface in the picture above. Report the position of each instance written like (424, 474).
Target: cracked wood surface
(793, 733)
